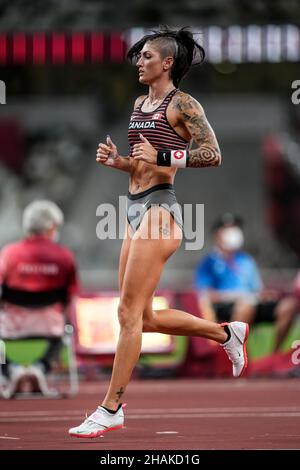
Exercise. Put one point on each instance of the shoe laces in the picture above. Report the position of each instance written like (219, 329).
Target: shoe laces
(89, 420)
(90, 423)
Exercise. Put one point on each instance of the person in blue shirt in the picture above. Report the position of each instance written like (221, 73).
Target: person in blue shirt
(230, 285)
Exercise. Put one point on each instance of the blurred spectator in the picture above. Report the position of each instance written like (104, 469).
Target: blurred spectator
(230, 285)
(38, 280)
(282, 177)
(297, 285)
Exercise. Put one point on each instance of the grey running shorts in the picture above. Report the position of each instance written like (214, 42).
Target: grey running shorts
(159, 195)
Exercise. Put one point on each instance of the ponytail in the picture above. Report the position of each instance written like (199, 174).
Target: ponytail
(181, 44)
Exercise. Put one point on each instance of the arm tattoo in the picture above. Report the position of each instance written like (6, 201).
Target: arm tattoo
(207, 152)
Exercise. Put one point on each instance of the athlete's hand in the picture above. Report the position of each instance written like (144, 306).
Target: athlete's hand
(144, 151)
(107, 154)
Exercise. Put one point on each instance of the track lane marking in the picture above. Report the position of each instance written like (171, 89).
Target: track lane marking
(240, 409)
(161, 416)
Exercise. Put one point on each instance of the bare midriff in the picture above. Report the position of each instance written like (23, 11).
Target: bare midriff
(144, 175)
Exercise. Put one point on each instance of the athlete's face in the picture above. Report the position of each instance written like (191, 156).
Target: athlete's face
(150, 64)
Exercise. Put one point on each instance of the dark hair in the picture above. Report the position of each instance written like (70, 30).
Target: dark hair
(178, 43)
(227, 220)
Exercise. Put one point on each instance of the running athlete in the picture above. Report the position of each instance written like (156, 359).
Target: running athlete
(161, 129)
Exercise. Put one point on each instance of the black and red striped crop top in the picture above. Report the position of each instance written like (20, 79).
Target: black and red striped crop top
(155, 126)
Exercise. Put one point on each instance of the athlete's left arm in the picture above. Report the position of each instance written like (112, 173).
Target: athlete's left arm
(192, 116)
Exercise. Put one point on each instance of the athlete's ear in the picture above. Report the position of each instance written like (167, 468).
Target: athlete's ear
(168, 62)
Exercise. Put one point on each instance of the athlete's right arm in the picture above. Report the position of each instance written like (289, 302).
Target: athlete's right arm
(107, 154)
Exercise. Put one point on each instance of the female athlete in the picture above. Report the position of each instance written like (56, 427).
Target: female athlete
(163, 124)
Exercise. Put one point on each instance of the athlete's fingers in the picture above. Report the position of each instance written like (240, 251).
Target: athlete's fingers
(139, 157)
(104, 147)
(138, 147)
(103, 150)
(102, 154)
(109, 141)
(144, 139)
(137, 152)
(102, 159)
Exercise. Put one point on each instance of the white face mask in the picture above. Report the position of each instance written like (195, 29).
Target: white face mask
(232, 239)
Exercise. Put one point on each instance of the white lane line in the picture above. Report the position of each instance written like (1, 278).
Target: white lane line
(7, 437)
(215, 415)
(161, 416)
(214, 390)
(246, 409)
(40, 413)
(166, 432)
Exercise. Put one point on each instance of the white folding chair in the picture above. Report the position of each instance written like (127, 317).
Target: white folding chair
(19, 322)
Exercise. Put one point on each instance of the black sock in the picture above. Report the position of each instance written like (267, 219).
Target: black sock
(112, 411)
(227, 330)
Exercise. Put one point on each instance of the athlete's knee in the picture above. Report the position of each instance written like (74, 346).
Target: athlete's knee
(129, 318)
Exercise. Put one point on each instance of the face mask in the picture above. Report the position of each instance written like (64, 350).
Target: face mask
(232, 239)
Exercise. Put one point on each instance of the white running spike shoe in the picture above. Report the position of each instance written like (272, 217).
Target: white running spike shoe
(98, 423)
(235, 347)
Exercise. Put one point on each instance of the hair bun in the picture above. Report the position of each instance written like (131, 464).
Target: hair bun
(183, 34)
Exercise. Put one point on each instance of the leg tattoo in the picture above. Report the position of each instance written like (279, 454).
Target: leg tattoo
(120, 393)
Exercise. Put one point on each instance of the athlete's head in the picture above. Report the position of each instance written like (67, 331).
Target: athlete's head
(166, 51)
(42, 218)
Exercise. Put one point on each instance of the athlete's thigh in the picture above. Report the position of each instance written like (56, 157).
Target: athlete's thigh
(146, 259)
(159, 225)
(124, 253)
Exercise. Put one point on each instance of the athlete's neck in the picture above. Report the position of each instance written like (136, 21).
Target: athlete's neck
(158, 91)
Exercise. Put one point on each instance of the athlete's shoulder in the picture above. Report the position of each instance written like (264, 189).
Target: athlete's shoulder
(139, 100)
(183, 102)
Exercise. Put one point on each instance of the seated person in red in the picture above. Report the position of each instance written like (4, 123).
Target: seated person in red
(230, 285)
(38, 280)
